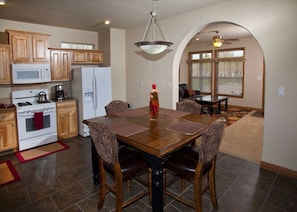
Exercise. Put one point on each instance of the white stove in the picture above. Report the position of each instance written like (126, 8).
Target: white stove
(36, 120)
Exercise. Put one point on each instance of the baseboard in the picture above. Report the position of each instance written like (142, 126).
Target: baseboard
(278, 169)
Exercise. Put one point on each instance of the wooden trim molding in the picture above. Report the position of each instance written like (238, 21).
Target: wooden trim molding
(278, 169)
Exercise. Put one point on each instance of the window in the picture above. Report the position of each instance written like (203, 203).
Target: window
(66, 45)
(200, 71)
(220, 71)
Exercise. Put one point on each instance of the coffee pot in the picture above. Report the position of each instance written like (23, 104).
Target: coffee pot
(59, 92)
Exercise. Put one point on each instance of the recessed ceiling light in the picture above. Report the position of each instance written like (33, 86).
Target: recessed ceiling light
(107, 22)
(2, 2)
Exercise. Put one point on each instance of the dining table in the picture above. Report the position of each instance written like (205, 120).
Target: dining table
(157, 139)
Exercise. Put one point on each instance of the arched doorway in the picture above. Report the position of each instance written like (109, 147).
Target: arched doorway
(254, 66)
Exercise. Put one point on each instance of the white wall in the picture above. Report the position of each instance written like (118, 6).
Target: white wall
(272, 25)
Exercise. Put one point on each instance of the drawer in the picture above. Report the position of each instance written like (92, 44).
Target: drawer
(68, 104)
(7, 116)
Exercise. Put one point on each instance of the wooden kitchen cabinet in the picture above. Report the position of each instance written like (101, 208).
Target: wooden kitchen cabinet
(5, 60)
(67, 125)
(87, 57)
(60, 61)
(8, 130)
(28, 46)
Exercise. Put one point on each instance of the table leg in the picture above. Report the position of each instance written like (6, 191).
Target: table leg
(219, 107)
(95, 165)
(226, 105)
(157, 182)
(211, 109)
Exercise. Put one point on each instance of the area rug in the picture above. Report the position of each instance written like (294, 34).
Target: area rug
(233, 114)
(41, 151)
(8, 174)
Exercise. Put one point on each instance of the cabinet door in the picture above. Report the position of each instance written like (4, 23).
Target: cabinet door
(62, 122)
(60, 65)
(95, 57)
(80, 56)
(5, 73)
(72, 120)
(8, 131)
(8, 135)
(67, 120)
(40, 51)
(21, 47)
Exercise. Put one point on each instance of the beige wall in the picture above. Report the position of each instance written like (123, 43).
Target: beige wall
(271, 24)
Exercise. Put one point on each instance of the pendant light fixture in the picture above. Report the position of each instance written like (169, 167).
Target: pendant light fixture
(150, 45)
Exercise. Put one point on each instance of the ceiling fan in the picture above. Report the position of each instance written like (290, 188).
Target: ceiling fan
(218, 41)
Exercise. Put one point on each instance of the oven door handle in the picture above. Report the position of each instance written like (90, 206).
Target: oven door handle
(30, 113)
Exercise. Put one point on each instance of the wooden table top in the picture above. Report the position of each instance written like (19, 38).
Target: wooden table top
(157, 138)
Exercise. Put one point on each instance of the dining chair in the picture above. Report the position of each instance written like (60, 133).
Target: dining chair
(189, 105)
(116, 106)
(122, 164)
(196, 165)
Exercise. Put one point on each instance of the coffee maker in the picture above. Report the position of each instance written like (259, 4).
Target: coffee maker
(59, 92)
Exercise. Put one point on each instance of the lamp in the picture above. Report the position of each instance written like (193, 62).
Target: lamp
(153, 46)
(217, 41)
(2, 2)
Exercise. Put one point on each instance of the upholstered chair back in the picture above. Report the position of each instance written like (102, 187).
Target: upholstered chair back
(116, 106)
(211, 140)
(189, 105)
(105, 142)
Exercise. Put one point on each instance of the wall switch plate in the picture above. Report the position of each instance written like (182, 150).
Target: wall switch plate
(281, 91)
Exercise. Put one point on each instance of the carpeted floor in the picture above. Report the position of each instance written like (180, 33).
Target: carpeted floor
(244, 138)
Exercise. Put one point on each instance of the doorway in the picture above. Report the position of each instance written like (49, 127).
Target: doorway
(234, 36)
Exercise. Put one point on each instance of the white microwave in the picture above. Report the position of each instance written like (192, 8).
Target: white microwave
(31, 73)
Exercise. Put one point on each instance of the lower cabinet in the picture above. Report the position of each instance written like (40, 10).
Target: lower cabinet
(8, 130)
(67, 119)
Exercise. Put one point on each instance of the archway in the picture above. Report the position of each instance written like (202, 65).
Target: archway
(247, 41)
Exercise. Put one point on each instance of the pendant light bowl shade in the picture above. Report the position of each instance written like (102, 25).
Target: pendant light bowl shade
(153, 47)
(150, 45)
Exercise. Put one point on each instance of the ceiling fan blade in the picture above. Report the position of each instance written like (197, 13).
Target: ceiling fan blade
(232, 39)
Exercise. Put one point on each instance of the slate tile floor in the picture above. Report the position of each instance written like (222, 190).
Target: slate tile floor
(63, 182)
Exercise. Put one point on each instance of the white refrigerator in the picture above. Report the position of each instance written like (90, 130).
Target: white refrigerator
(92, 87)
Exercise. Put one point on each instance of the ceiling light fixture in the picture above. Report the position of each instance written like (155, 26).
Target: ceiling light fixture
(153, 46)
(217, 41)
(106, 22)
(2, 2)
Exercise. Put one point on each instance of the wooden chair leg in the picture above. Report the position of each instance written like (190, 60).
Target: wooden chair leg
(119, 188)
(212, 187)
(198, 195)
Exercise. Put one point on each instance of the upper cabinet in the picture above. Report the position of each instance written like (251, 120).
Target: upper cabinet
(60, 60)
(87, 57)
(5, 73)
(28, 46)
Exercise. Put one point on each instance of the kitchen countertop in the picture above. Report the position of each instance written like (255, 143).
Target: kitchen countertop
(65, 99)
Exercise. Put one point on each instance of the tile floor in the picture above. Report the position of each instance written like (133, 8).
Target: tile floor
(63, 182)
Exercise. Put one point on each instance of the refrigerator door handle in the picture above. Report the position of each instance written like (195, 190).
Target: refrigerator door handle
(94, 93)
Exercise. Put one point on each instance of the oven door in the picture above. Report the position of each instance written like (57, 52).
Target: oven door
(26, 123)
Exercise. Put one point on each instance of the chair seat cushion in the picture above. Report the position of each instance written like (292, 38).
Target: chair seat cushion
(132, 163)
